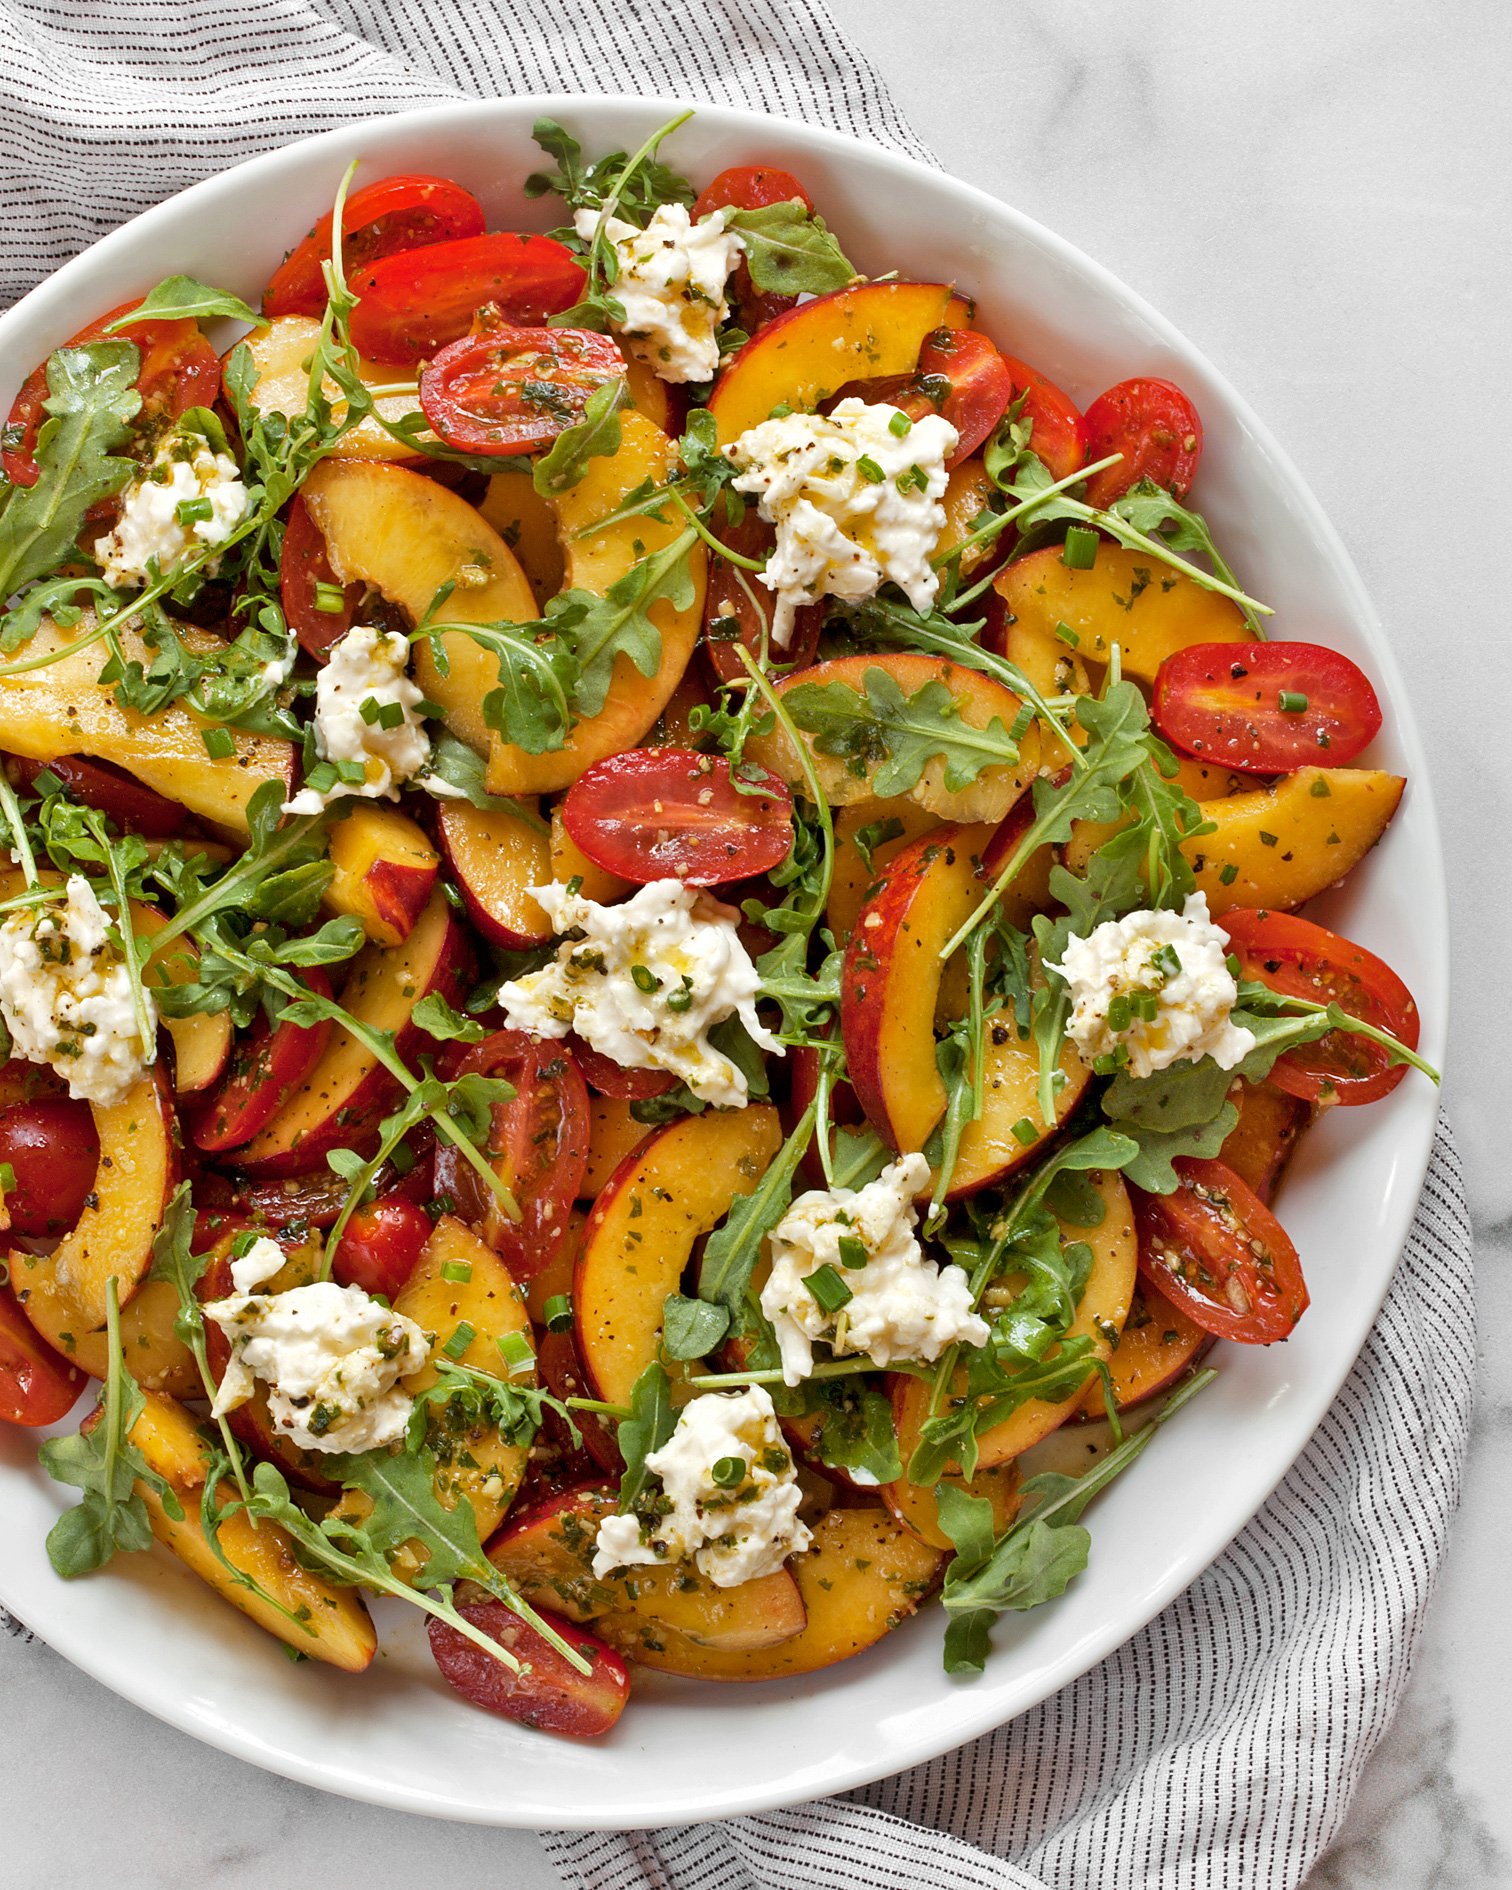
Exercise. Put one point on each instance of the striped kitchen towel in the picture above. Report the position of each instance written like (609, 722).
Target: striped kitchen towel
(1220, 1746)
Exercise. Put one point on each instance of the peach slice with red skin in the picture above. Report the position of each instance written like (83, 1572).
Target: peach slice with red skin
(385, 869)
(1158, 1346)
(993, 1145)
(495, 859)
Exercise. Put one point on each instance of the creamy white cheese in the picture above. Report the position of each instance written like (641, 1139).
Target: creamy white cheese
(855, 496)
(68, 1000)
(1156, 986)
(330, 1355)
(735, 1530)
(671, 284)
(367, 670)
(644, 983)
(151, 538)
(903, 1306)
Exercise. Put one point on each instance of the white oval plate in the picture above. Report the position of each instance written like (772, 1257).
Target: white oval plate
(687, 1751)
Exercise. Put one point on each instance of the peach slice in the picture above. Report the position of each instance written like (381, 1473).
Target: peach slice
(65, 710)
(158, 1357)
(527, 524)
(408, 537)
(597, 557)
(1147, 609)
(864, 1575)
(890, 981)
(495, 858)
(979, 699)
(1158, 1345)
(1281, 846)
(282, 351)
(806, 355)
(966, 494)
(385, 869)
(915, 1507)
(900, 820)
(990, 1148)
(569, 862)
(338, 1105)
(613, 1133)
(1265, 1137)
(677, 1186)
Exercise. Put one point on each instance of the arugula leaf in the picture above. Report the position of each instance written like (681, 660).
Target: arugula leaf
(894, 737)
(640, 190)
(650, 1423)
(856, 1432)
(791, 251)
(595, 436)
(91, 398)
(732, 1250)
(459, 766)
(1155, 511)
(598, 630)
(437, 1019)
(178, 297)
(691, 1327)
(111, 1516)
(1151, 1168)
(406, 1509)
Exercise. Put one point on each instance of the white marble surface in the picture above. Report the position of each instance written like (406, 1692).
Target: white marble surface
(1319, 196)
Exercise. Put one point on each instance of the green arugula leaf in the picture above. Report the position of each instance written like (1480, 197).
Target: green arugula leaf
(856, 1432)
(732, 1250)
(179, 297)
(599, 630)
(407, 1509)
(595, 436)
(894, 737)
(437, 1019)
(1151, 1168)
(691, 1327)
(650, 1423)
(459, 766)
(791, 251)
(1157, 513)
(90, 402)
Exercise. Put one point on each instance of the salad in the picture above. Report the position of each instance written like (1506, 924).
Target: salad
(652, 928)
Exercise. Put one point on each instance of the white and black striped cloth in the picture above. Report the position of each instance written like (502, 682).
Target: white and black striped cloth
(1219, 1748)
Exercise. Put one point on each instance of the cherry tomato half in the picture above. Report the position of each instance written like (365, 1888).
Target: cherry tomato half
(37, 1385)
(133, 807)
(1058, 434)
(1215, 1250)
(303, 566)
(1304, 960)
(752, 187)
(179, 370)
(738, 609)
(380, 1244)
(1155, 427)
(502, 389)
(396, 213)
(54, 1153)
(1265, 708)
(548, 1692)
(962, 377)
(265, 1066)
(537, 1145)
(414, 303)
(609, 1078)
(673, 813)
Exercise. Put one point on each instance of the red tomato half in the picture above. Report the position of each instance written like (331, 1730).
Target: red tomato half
(265, 1066)
(752, 187)
(673, 813)
(502, 389)
(537, 1145)
(37, 1385)
(738, 609)
(380, 1244)
(413, 304)
(133, 808)
(54, 1153)
(609, 1078)
(302, 566)
(1217, 1251)
(1304, 960)
(396, 213)
(179, 370)
(962, 377)
(1059, 433)
(1265, 708)
(548, 1693)
(1155, 427)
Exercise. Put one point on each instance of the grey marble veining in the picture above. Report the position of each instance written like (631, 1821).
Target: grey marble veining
(1319, 196)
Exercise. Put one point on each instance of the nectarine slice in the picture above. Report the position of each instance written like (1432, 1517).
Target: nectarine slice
(495, 859)
(1265, 1137)
(385, 869)
(1280, 846)
(888, 826)
(282, 351)
(1158, 1345)
(915, 1506)
(991, 1146)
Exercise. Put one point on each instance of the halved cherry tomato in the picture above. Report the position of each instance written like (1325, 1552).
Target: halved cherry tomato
(396, 213)
(609, 1078)
(1215, 1249)
(414, 303)
(1058, 434)
(752, 187)
(1265, 708)
(179, 370)
(738, 609)
(380, 1244)
(1155, 427)
(1304, 960)
(302, 566)
(502, 389)
(962, 377)
(54, 1154)
(537, 1144)
(548, 1693)
(673, 813)
(37, 1384)
(265, 1066)
(133, 808)
(561, 1372)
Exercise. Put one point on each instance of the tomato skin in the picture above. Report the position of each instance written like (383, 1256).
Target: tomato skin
(396, 213)
(739, 612)
(303, 564)
(502, 389)
(1300, 959)
(179, 370)
(550, 1694)
(380, 1245)
(609, 1078)
(1198, 1248)
(537, 1144)
(52, 1146)
(752, 187)
(1155, 427)
(964, 379)
(1059, 433)
(265, 1066)
(414, 303)
(673, 813)
(133, 808)
(1221, 702)
(37, 1385)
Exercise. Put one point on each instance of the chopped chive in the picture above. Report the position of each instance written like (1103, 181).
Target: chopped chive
(515, 1350)
(828, 1289)
(1067, 635)
(425, 707)
(220, 743)
(243, 1243)
(644, 979)
(870, 470)
(1291, 702)
(459, 1341)
(391, 715)
(1146, 1006)
(1228, 874)
(1079, 553)
(1021, 724)
(1120, 1013)
(852, 1250)
(900, 426)
(1025, 1132)
(403, 1158)
(330, 599)
(193, 511)
(1232, 964)
(728, 1472)
(679, 1001)
(368, 709)
(780, 411)
(1167, 961)
(458, 1271)
(558, 1313)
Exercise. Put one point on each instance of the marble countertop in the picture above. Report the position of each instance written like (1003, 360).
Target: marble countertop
(1319, 197)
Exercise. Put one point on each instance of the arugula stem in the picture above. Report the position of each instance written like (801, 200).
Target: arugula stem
(810, 778)
(131, 950)
(246, 872)
(1000, 521)
(1341, 1019)
(715, 545)
(10, 807)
